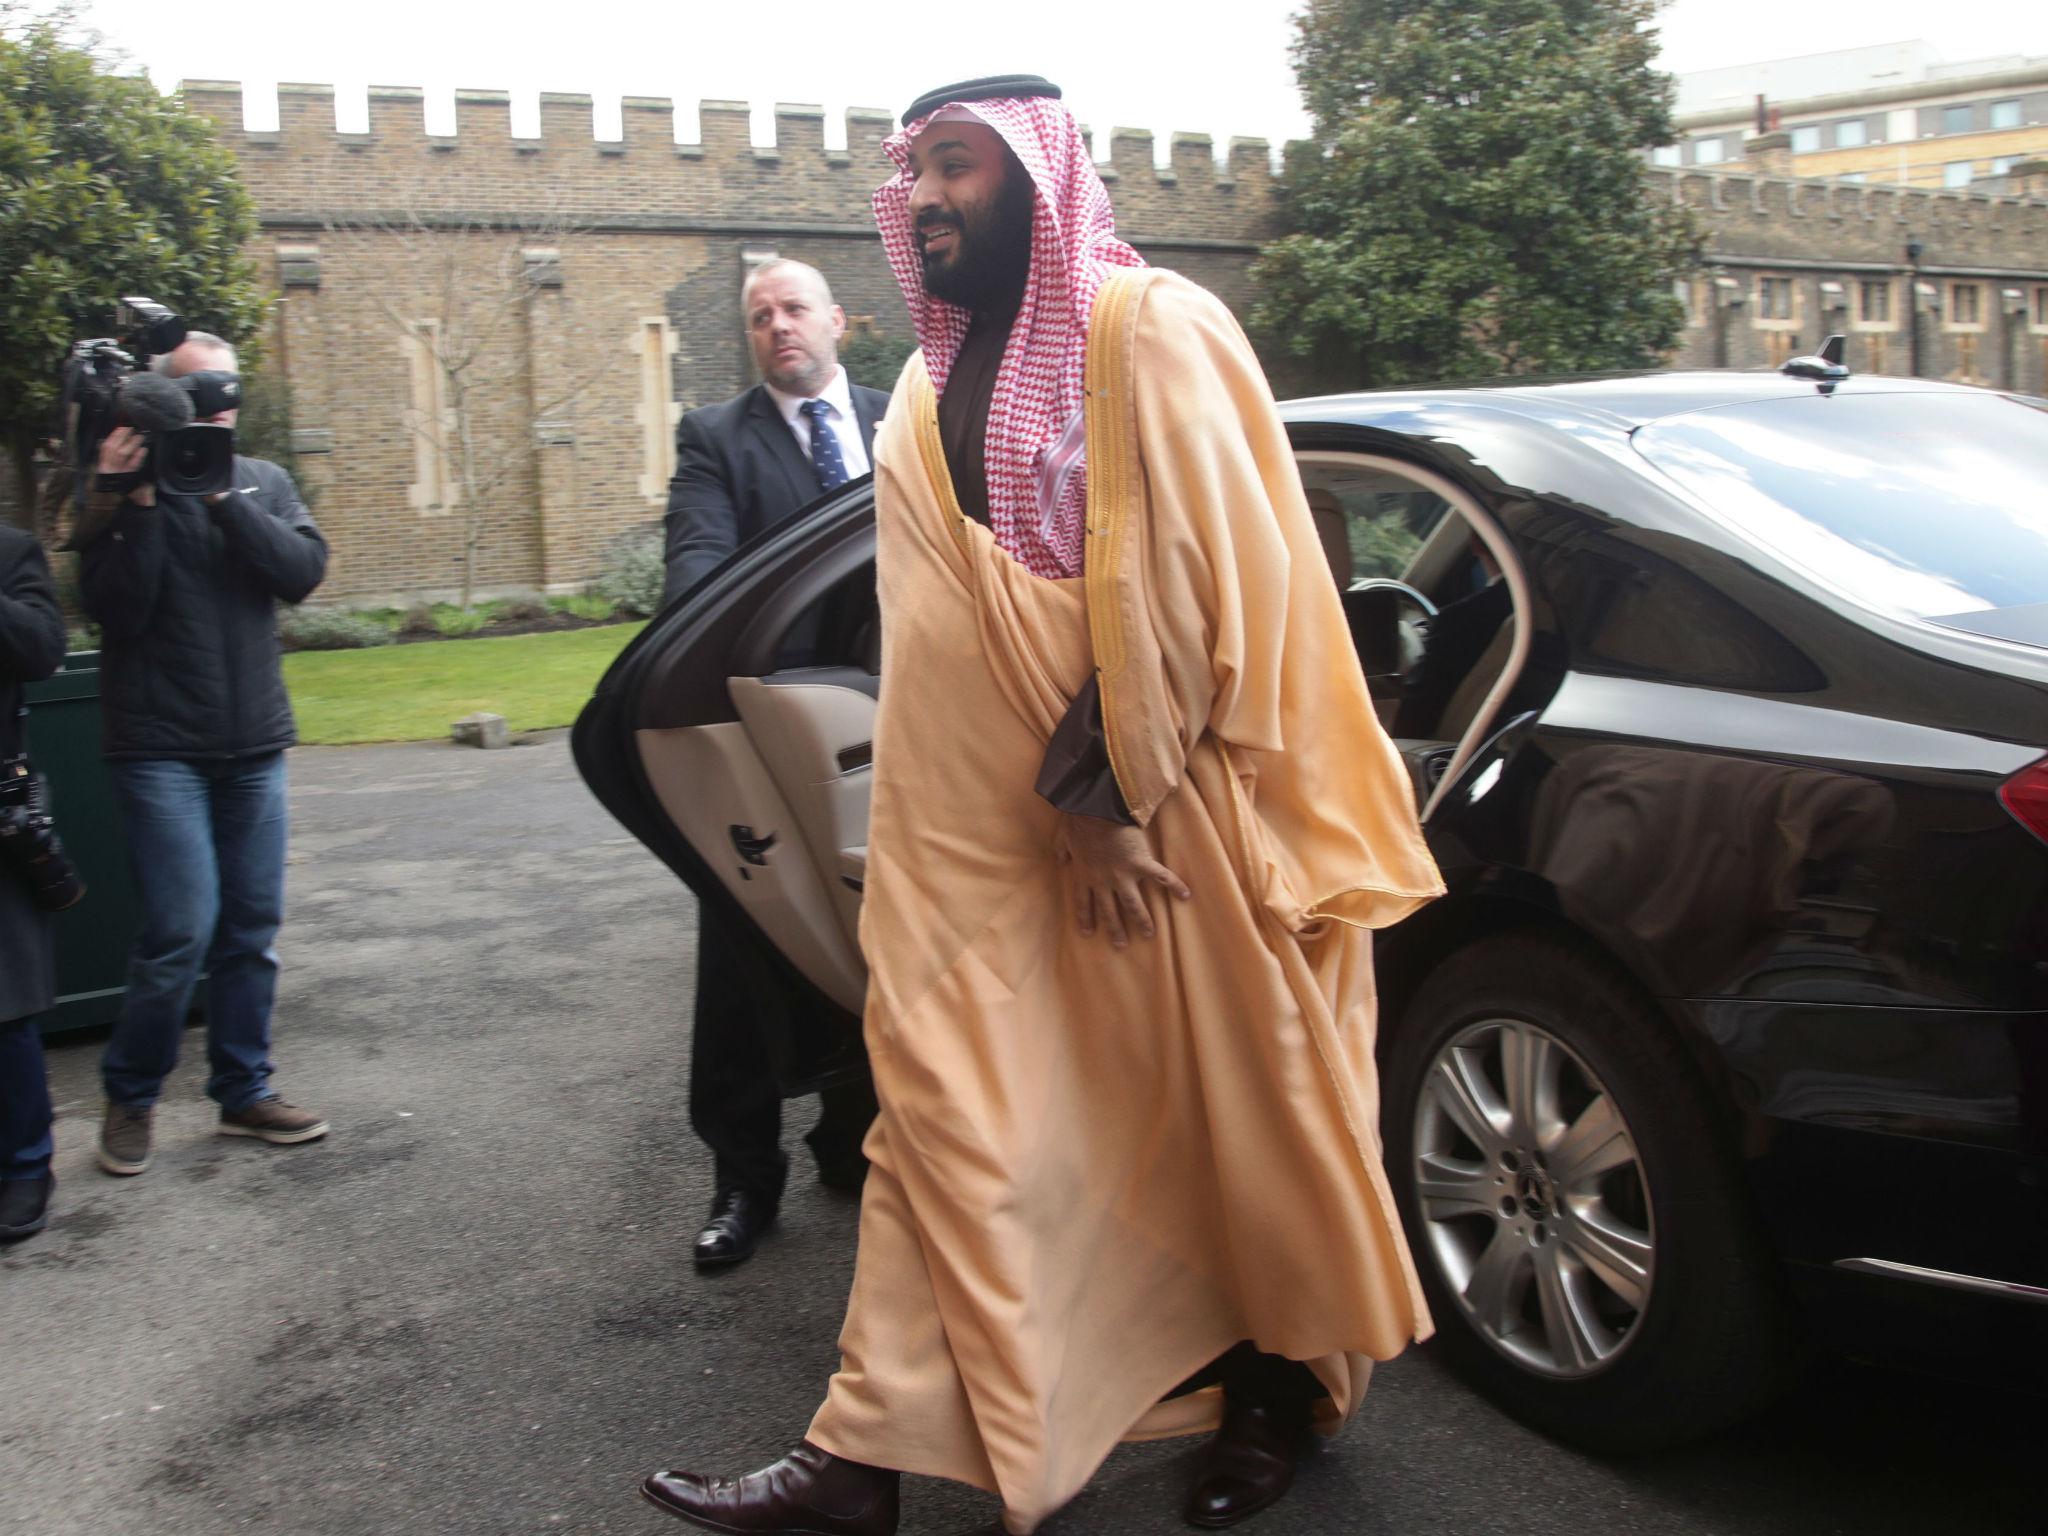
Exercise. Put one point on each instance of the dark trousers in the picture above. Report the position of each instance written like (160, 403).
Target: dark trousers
(24, 1102)
(735, 1105)
(1249, 1376)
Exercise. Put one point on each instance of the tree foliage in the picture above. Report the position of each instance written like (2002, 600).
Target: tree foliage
(1474, 200)
(106, 188)
(875, 358)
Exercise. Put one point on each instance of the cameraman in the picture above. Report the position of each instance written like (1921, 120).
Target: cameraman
(31, 647)
(197, 722)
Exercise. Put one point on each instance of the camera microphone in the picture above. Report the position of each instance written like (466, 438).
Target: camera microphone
(150, 402)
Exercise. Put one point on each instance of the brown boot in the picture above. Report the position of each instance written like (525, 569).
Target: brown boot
(1249, 1464)
(810, 1492)
(271, 1119)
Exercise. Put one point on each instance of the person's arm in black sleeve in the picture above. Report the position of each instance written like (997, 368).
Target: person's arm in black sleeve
(31, 622)
(120, 568)
(701, 525)
(271, 534)
(1076, 776)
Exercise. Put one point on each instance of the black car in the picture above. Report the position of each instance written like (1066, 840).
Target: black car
(1725, 698)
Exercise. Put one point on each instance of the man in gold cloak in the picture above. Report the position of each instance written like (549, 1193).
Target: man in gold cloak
(1133, 821)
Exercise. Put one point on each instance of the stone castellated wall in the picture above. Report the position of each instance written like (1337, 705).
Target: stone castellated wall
(653, 239)
(643, 293)
(1970, 304)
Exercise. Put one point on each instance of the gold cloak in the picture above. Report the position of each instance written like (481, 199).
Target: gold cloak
(1094, 1171)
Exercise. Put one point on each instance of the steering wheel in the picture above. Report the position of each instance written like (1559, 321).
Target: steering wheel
(1393, 584)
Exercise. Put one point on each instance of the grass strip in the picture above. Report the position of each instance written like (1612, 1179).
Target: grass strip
(415, 692)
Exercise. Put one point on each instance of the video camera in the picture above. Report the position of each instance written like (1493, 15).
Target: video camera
(107, 384)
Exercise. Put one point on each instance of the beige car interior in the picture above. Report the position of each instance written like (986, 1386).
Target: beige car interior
(777, 801)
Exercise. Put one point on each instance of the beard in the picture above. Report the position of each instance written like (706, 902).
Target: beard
(991, 255)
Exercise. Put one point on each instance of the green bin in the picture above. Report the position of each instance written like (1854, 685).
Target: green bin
(92, 937)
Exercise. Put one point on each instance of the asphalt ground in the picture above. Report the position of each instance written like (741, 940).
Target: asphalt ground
(471, 1309)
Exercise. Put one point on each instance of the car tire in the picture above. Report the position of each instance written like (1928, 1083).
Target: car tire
(1590, 1256)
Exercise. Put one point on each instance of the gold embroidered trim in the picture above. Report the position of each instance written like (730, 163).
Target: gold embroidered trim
(1111, 425)
(931, 448)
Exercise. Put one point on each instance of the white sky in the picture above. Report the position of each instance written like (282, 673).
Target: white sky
(1219, 68)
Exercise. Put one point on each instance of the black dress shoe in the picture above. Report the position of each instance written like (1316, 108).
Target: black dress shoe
(25, 1206)
(1249, 1464)
(738, 1218)
(810, 1492)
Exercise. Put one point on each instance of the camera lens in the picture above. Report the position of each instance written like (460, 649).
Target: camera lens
(198, 460)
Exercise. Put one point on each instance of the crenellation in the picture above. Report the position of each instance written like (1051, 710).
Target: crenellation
(725, 131)
(398, 114)
(866, 128)
(305, 115)
(483, 119)
(1251, 160)
(220, 100)
(648, 123)
(1130, 151)
(567, 120)
(799, 130)
(1194, 159)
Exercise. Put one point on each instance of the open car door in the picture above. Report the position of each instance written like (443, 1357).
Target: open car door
(733, 738)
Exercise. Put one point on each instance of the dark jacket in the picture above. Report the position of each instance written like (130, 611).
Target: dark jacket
(31, 647)
(739, 472)
(186, 599)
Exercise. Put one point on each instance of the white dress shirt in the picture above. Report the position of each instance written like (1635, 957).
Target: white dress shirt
(838, 397)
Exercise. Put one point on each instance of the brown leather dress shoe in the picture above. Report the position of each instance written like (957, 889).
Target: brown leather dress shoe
(1248, 1465)
(810, 1492)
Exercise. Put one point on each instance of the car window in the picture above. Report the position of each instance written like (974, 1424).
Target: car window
(1929, 505)
(1373, 521)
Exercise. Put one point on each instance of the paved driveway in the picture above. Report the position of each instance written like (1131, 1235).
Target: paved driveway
(471, 1309)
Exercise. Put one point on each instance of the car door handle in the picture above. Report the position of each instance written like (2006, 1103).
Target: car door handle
(749, 847)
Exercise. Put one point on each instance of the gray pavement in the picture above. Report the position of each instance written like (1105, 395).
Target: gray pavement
(471, 1310)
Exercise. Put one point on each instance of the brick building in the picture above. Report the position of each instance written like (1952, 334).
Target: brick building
(628, 256)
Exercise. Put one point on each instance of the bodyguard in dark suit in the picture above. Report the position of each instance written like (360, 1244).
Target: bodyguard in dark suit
(746, 464)
(741, 468)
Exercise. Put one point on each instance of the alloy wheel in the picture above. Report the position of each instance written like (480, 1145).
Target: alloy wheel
(1533, 1198)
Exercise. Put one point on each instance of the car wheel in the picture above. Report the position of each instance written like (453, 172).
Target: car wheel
(1581, 1229)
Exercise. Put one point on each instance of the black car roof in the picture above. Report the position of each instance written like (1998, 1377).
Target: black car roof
(1621, 401)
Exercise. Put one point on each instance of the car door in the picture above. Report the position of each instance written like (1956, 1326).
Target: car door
(733, 738)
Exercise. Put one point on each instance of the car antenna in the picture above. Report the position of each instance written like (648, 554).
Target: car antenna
(1826, 366)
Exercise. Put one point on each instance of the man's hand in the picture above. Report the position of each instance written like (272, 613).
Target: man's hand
(121, 453)
(1110, 871)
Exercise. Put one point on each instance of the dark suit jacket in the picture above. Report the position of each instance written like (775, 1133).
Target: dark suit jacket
(31, 648)
(739, 472)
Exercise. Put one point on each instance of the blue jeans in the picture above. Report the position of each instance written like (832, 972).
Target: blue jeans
(24, 1101)
(206, 843)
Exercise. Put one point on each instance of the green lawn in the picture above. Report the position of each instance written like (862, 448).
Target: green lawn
(414, 692)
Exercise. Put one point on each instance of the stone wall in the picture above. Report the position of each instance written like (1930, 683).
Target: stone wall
(652, 241)
(1964, 277)
(640, 247)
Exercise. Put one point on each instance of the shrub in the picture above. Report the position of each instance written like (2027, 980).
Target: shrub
(875, 358)
(330, 629)
(419, 620)
(519, 608)
(584, 605)
(633, 571)
(451, 623)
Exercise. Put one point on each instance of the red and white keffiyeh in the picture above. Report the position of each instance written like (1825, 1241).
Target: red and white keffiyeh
(1037, 485)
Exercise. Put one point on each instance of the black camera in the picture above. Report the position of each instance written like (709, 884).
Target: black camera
(29, 845)
(107, 384)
